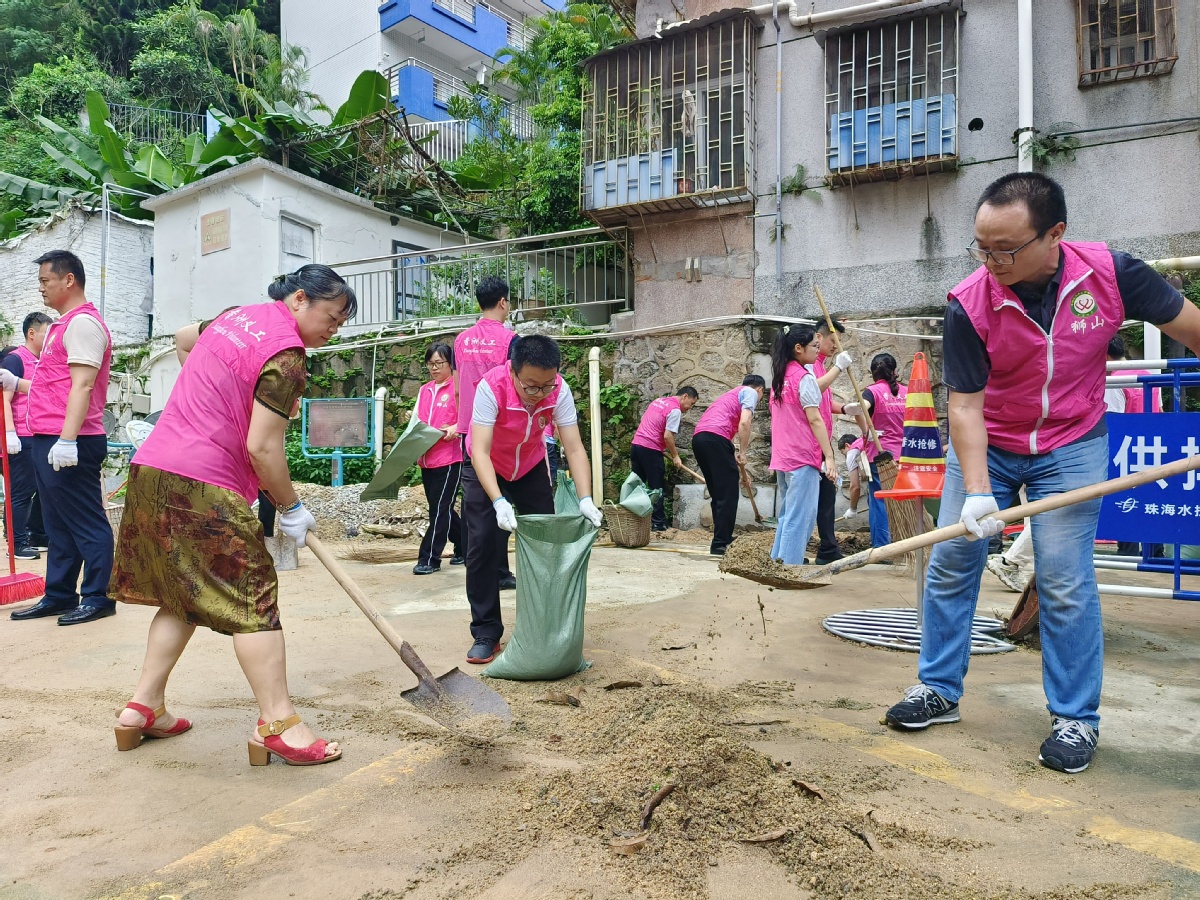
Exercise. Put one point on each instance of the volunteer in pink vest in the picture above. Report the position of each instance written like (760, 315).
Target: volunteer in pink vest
(884, 400)
(728, 417)
(190, 544)
(828, 549)
(1024, 358)
(656, 435)
(1135, 401)
(513, 405)
(441, 466)
(477, 351)
(29, 535)
(64, 415)
(801, 454)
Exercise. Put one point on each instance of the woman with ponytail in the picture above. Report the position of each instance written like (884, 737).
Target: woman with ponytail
(884, 401)
(801, 453)
(189, 543)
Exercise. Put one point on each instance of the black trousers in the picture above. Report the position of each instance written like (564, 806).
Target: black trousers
(650, 466)
(441, 490)
(826, 498)
(465, 528)
(81, 537)
(488, 545)
(720, 468)
(28, 528)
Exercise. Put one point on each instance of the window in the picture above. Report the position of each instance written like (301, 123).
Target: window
(296, 244)
(890, 97)
(668, 123)
(1121, 39)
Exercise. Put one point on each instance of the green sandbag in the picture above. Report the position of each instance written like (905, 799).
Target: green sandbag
(416, 439)
(566, 500)
(552, 561)
(636, 498)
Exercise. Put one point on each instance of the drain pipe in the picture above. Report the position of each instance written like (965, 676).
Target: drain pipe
(380, 399)
(778, 154)
(594, 410)
(804, 19)
(1024, 85)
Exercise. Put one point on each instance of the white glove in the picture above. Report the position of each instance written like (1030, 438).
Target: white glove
(297, 523)
(977, 516)
(852, 409)
(588, 510)
(8, 381)
(63, 454)
(506, 516)
(842, 361)
(849, 514)
(14, 443)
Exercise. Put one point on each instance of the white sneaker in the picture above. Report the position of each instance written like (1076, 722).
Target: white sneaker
(1008, 573)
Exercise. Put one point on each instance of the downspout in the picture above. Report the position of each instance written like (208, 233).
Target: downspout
(380, 399)
(801, 20)
(778, 154)
(1024, 85)
(594, 410)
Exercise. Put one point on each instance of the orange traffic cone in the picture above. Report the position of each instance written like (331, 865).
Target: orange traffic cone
(922, 460)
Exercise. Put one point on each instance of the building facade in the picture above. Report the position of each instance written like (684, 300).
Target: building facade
(430, 50)
(893, 117)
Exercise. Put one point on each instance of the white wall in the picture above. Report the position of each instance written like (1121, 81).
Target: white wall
(130, 248)
(341, 39)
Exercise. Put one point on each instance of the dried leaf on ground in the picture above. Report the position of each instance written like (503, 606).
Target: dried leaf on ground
(628, 846)
(810, 789)
(560, 698)
(680, 647)
(620, 685)
(767, 836)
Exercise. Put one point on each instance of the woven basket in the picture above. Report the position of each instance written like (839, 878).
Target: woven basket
(627, 529)
(115, 510)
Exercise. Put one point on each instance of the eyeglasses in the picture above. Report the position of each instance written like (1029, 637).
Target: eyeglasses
(532, 390)
(437, 364)
(1002, 257)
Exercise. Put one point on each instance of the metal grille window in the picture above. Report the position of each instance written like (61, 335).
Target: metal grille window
(891, 97)
(669, 123)
(1121, 39)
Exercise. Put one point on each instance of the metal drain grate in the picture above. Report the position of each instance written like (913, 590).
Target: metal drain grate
(897, 629)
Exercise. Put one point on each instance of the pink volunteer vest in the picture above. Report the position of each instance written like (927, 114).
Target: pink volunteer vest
(1134, 402)
(435, 406)
(722, 416)
(518, 439)
(48, 395)
(20, 402)
(202, 431)
(1045, 391)
(654, 424)
(888, 419)
(793, 444)
(477, 351)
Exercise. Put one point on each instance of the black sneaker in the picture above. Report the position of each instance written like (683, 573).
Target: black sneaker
(482, 651)
(921, 707)
(826, 560)
(509, 583)
(458, 560)
(421, 569)
(1070, 746)
(26, 553)
(716, 551)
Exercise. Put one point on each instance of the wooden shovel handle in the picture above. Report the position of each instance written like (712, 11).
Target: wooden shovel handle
(342, 577)
(1016, 513)
(858, 395)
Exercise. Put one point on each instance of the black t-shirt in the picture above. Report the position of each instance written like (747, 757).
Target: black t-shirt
(965, 361)
(14, 364)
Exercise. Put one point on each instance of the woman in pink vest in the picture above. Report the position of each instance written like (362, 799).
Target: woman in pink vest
(884, 400)
(28, 531)
(728, 417)
(190, 543)
(1024, 357)
(441, 466)
(800, 450)
(656, 436)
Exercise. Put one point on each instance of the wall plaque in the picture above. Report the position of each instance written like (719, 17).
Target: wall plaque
(214, 232)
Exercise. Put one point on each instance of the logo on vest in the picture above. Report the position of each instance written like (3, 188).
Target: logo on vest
(1083, 304)
(542, 422)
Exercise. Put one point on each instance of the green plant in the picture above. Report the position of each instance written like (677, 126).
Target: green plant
(1046, 148)
(618, 402)
(794, 183)
(320, 471)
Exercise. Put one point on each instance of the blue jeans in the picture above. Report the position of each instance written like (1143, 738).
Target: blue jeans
(1071, 634)
(877, 511)
(798, 493)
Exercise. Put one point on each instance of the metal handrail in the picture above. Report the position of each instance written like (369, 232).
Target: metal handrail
(614, 233)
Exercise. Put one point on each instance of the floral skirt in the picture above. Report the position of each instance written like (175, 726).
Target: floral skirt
(197, 551)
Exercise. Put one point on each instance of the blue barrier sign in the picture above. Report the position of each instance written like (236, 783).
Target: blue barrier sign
(1163, 511)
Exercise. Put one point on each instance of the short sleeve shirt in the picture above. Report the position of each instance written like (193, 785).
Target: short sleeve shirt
(748, 398)
(13, 363)
(85, 342)
(674, 417)
(487, 410)
(810, 391)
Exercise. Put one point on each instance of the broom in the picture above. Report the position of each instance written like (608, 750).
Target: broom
(885, 463)
(14, 587)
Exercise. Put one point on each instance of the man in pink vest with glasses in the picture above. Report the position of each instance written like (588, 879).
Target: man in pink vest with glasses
(65, 416)
(1025, 341)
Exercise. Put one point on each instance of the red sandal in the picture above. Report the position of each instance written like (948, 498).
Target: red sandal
(129, 737)
(312, 755)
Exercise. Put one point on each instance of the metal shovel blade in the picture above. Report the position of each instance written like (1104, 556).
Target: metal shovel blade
(459, 701)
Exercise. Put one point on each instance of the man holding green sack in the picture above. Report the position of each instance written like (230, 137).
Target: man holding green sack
(514, 403)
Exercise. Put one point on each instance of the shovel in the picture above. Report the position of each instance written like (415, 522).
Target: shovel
(453, 699)
(750, 493)
(803, 577)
